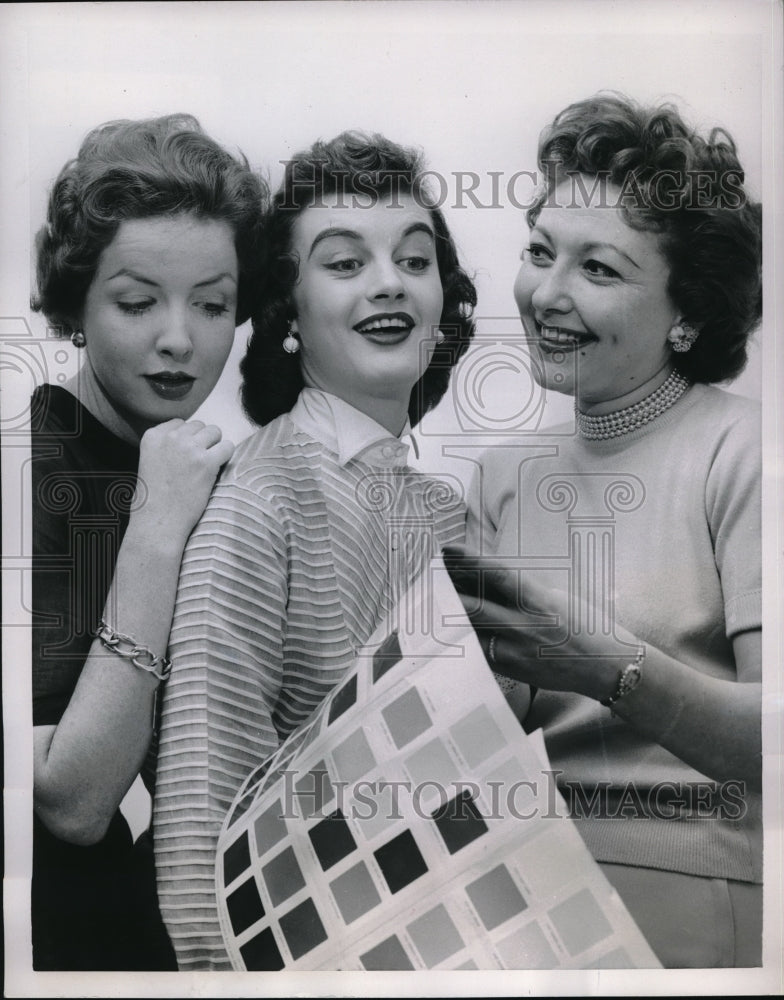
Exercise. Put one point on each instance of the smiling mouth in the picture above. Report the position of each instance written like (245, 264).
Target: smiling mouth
(557, 338)
(386, 325)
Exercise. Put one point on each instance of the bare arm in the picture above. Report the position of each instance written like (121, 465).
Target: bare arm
(713, 725)
(85, 764)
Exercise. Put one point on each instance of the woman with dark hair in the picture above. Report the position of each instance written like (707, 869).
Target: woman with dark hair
(319, 523)
(145, 261)
(633, 543)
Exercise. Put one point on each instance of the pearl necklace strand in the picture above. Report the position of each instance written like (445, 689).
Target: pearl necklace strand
(611, 425)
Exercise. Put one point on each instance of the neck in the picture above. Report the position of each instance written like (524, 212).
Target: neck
(597, 408)
(391, 412)
(601, 426)
(91, 394)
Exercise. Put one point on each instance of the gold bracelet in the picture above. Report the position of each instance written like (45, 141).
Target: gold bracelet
(140, 656)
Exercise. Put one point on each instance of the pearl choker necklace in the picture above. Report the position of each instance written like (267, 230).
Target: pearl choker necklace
(611, 425)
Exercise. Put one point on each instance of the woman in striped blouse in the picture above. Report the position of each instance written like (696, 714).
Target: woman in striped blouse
(301, 551)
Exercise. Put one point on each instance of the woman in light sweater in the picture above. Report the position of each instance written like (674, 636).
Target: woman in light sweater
(319, 522)
(634, 540)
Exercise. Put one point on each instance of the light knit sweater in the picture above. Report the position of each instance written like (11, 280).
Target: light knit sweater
(679, 501)
(303, 548)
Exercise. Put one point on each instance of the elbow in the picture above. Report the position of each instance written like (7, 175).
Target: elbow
(77, 826)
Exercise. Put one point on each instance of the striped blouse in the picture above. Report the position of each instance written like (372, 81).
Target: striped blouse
(303, 548)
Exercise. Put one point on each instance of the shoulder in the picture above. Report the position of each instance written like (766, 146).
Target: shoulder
(78, 466)
(61, 426)
(55, 413)
(727, 411)
(269, 455)
(731, 441)
(266, 479)
(728, 427)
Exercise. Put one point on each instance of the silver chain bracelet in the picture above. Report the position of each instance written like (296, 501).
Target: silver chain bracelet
(140, 656)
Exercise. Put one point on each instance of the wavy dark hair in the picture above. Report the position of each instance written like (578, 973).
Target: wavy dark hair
(687, 188)
(136, 170)
(365, 166)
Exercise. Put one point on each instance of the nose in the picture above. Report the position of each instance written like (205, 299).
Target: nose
(174, 337)
(551, 291)
(385, 281)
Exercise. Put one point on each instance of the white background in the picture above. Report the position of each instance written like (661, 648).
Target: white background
(472, 83)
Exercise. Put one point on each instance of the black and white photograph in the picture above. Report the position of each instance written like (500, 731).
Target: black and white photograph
(391, 445)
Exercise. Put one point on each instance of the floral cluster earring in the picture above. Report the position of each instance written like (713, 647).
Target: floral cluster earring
(682, 336)
(77, 338)
(290, 342)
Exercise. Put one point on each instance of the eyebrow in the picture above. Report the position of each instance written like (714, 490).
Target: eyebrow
(352, 234)
(125, 272)
(216, 279)
(594, 246)
(611, 246)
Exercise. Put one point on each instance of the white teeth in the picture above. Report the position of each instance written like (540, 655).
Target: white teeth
(558, 336)
(383, 324)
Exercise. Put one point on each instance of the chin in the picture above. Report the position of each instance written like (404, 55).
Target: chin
(564, 389)
(403, 377)
(554, 378)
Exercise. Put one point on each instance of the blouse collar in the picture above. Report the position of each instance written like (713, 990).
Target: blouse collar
(348, 432)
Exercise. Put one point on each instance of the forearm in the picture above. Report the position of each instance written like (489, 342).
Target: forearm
(711, 724)
(85, 764)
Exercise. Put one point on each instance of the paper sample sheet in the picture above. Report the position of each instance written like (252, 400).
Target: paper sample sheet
(412, 824)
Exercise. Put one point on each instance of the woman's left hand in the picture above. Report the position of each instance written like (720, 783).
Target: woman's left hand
(532, 634)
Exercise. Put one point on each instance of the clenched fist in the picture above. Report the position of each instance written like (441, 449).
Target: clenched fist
(178, 464)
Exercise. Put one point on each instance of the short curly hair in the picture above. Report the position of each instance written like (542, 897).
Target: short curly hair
(366, 166)
(135, 170)
(690, 190)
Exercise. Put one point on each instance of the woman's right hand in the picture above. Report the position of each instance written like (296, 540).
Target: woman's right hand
(179, 462)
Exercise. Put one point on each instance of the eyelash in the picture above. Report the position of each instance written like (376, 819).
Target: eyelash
(340, 265)
(607, 272)
(422, 263)
(534, 250)
(133, 308)
(213, 310)
(415, 264)
(539, 254)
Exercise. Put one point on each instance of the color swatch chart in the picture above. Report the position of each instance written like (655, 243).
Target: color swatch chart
(412, 824)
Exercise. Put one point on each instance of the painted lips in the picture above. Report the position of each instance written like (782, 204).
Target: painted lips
(170, 385)
(386, 328)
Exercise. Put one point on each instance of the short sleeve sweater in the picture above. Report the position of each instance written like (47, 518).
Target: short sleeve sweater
(297, 558)
(664, 522)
